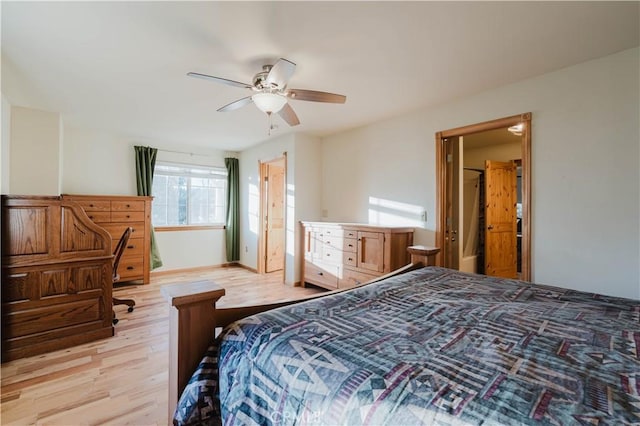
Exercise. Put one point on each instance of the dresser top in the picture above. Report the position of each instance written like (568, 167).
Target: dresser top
(108, 197)
(357, 226)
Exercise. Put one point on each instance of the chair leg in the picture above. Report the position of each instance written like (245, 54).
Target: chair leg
(129, 302)
(115, 320)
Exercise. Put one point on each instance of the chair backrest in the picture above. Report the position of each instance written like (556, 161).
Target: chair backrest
(117, 253)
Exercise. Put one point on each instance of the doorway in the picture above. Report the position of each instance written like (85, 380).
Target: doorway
(484, 198)
(271, 253)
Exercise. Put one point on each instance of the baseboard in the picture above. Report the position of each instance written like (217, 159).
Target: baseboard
(255, 271)
(196, 269)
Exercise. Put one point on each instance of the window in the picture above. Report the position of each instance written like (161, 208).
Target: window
(189, 195)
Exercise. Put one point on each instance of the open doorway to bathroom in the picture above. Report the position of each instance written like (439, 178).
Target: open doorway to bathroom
(484, 197)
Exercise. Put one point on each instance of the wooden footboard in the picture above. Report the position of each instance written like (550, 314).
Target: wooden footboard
(194, 318)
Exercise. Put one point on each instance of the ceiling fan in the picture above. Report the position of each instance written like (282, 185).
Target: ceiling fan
(271, 92)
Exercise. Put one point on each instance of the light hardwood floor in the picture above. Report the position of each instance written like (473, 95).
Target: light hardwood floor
(123, 379)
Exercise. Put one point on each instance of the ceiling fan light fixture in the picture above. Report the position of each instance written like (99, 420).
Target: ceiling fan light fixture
(269, 102)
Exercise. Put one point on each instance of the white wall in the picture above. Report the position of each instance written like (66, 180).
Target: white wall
(98, 163)
(191, 249)
(35, 152)
(305, 195)
(390, 163)
(5, 135)
(585, 162)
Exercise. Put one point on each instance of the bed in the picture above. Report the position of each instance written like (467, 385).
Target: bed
(430, 346)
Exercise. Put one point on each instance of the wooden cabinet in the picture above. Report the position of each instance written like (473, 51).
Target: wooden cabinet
(343, 255)
(114, 213)
(56, 276)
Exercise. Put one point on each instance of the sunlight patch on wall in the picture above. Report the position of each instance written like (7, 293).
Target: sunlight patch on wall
(254, 208)
(394, 213)
(291, 220)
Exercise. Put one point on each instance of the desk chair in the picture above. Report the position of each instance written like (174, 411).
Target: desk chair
(117, 254)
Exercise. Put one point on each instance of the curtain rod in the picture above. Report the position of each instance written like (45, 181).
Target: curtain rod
(226, 153)
(182, 152)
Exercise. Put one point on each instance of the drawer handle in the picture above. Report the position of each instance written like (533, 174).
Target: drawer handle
(128, 205)
(350, 245)
(350, 259)
(18, 275)
(130, 247)
(130, 268)
(90, 217)
(90, 205)
(320, 273)
(128, 216)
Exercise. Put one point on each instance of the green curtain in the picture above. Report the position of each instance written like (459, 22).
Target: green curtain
(233, 212)
(145, 163)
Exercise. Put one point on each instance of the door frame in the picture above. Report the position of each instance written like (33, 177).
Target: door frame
(441, 170)
(262, 241)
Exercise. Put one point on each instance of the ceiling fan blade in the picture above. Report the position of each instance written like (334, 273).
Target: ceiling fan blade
(281, 72)
(288, 114)
(236, 104)
(220, 80)
(315, 96)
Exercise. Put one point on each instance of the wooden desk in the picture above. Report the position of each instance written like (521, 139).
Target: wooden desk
(56, 276)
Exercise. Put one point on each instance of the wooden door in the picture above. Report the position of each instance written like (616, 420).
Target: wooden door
(500, 241)
(453, 208)
(274, 221)
(371, 251)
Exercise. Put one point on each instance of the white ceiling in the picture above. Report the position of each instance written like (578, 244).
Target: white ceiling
(121, 66)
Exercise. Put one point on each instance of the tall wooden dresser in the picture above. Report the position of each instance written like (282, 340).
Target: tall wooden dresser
(56, 276)
(343, 255)
(114, 213)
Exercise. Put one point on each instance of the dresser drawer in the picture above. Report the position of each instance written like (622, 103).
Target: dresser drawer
(94, 205)
(354, 278)
(350, 259)
(350, 234)
(132, 205)
(127, 216)
(330, 232)
(322, 274)
(330, 255)
(333, 242)
(130, 267)
(99, 216)
(350, 244)
(135, 247)
(117, 229)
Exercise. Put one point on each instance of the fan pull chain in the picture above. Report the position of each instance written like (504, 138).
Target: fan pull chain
(271, 126)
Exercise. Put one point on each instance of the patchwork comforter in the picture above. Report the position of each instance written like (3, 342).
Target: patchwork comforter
(433, 346)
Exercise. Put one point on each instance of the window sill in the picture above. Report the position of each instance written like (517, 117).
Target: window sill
(187, 228)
